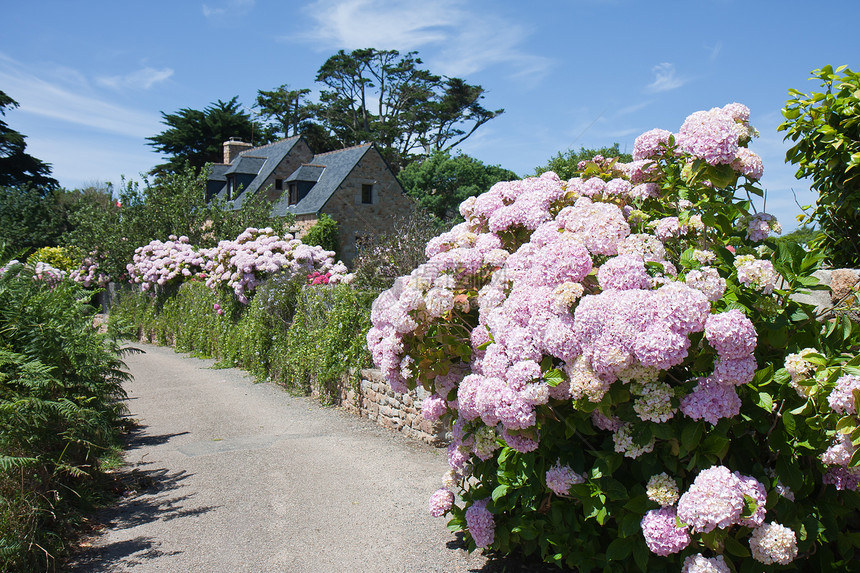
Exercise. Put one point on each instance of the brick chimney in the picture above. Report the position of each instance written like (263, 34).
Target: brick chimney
(233, 148)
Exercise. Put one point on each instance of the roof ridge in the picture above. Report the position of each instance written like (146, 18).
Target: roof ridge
(345, 149)
(270, 144)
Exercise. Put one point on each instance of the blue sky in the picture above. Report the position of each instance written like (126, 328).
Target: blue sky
(92, 77)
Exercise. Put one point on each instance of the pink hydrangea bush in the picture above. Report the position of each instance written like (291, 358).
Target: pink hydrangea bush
(240, 265)
(89, 272)
(584, 336)
(256, 254)
(165, 263)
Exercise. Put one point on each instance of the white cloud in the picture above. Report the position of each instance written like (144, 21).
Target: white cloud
(143, 79)
(664, 79)
(229, 7)
(631, 109)
(715, 51)
(467, 42)
(386, 24)
(48, 97)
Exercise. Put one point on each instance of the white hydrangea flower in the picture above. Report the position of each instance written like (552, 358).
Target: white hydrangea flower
(662, 489)
(773, 543)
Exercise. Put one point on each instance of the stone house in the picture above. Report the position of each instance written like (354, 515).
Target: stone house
(354, 186)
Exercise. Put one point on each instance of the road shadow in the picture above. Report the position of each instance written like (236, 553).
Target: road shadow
(136, 438)
(505, 564)
(147, 494)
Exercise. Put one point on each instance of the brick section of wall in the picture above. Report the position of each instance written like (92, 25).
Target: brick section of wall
(356, 219)
(374, 399)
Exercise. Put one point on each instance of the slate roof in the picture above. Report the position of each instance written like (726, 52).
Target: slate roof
(246, 165)
(307, 172)
(259, 161)
(326, 170)
(337, 165)
(218, 172)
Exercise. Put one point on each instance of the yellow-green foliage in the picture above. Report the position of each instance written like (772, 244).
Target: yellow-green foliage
(62, 258)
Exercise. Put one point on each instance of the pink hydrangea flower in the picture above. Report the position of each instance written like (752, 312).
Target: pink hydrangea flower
(480, 523)
(560, 477)
(841, 399)
(662, 535)
(714, 500)
(441, 502)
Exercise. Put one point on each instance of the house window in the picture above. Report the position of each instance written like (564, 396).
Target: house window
(367, 194)
(294, 193)
(229, 188)
(279, 184)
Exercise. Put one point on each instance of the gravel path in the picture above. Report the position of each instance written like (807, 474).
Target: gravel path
(235, 476)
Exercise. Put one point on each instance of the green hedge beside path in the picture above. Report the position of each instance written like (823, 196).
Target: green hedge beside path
(305, 338)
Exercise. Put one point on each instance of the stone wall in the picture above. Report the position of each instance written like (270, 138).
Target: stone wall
(356, 219)
(842, 288)
(374, 399)
(300, 153)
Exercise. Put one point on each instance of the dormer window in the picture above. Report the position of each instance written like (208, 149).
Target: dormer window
(294, 192)
(367, 194)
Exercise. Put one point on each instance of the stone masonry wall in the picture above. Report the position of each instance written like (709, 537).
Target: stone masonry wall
(300, 153)
(374, 399)
(356, 219)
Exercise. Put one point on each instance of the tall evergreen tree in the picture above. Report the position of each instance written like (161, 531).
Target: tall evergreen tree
(196, 137)
(16, 166)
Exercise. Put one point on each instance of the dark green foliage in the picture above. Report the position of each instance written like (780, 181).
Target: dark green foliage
(802, 236)
(195, 137)
(60, 412)
(18, 168)
(441, 182)
(31, 217)
(172, 204)
(324, 233)
(306, 338)
(825, 129)
(566, 164)
(390, 255)
(381, 96)
(285, 111)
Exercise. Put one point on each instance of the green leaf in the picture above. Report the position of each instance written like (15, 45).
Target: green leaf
(691, 435)
(619, 548)
(736, 548)
(554, 377)
(846, 425)
(500, 492)
(613, 489)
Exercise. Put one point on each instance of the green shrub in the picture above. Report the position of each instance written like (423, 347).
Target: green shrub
(324, 233)
(60, 413)
(825, 130)
(62, 258)
(326, 339)
(300, 336)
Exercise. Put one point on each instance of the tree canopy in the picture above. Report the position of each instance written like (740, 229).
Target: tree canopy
(825, 129)
(16, 166)
(367, 95)
(386, 97)
(566, 164)
(441, 182)
(196, 137)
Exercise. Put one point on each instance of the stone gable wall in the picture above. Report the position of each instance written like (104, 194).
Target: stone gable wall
(300, 153)
(355, 219)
